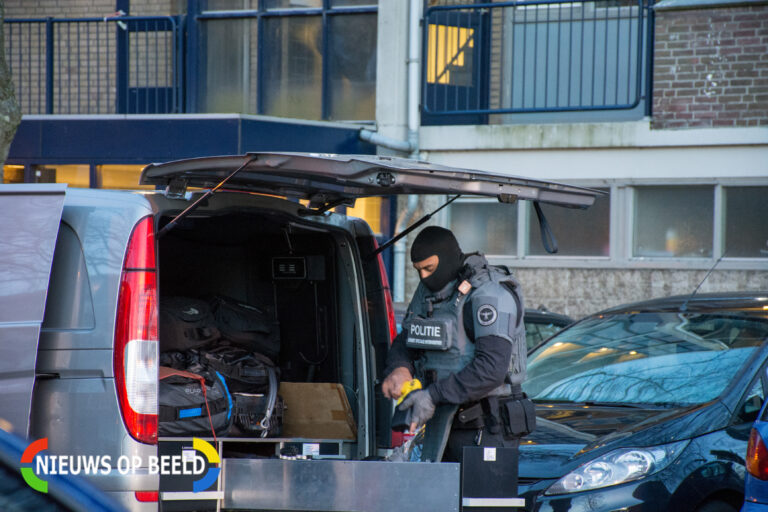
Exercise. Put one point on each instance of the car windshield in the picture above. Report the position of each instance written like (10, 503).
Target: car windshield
(644, 358)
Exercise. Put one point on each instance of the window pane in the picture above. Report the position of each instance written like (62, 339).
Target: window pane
(353, 3)
(352, 66)
(120, 176)
(673, 221)
(231, 5)
(227, 61)
(746, 222)
(490, 228)
(292, 4)
(293, 67)
(578, 232)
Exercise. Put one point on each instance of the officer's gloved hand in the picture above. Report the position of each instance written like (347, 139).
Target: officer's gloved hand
(423, 408)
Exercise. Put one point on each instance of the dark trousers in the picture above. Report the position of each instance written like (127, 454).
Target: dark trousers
(461, 437)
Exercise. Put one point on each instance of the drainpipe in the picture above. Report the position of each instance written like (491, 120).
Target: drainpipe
(414, 72)
(411, 146)
(414, 97)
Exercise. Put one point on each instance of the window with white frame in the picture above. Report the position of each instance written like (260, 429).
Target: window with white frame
(578, 232)
(678, 225)
(746, 222)
(485, 225)
(673, 221)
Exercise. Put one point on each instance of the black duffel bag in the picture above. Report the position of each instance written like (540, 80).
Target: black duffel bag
(193, 404)
(186, 323)
(245, 371)
(252, 327)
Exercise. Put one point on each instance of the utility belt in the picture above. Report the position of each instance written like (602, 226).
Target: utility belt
(512, 415)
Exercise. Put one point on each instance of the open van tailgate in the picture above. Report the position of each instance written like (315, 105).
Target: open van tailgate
(339, 485)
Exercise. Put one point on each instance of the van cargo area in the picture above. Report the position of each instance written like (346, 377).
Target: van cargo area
(275, 263)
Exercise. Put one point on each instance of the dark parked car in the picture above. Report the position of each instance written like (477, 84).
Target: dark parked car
(647, 406)
(63, 493)
(540, 323)
(756, 489)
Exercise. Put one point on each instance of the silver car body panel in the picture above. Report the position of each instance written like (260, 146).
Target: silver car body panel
(31, 216)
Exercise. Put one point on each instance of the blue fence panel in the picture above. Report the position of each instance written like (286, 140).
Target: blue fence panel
(128, 64)
(534, 56)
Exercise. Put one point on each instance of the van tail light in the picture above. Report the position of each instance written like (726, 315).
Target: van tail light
(387, 295)
(136, 336)
(148, 496)
(757, 456)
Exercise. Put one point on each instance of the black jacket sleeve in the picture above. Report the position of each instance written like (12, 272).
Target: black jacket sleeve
(482, 375)
(399, 355)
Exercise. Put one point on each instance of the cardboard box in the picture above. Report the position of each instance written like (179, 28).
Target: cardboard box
(317, 411)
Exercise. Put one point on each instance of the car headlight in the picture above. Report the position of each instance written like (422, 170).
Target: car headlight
(617, 467)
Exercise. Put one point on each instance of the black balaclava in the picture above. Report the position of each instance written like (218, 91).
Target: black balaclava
(437, 241)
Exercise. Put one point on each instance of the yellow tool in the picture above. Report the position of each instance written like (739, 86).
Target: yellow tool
(407, 387)
(401, 420)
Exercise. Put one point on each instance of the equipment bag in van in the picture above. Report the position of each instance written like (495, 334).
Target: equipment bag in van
(185, 323)
(245, 371)
(252, 327)
(191, 404)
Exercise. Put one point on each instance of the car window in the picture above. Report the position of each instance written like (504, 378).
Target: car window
(648, 358)
(750, 408)
(535, 333)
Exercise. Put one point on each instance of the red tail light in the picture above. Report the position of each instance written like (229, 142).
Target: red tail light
(148, 496)
(136, 346)
(757, 456)
(387, 296)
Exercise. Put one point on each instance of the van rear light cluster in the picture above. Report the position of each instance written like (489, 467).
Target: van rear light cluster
(757, 456)
(136, 336)
(387, 295)
(147, 496)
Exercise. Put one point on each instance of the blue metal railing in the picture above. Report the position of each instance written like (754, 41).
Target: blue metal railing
(127, 64)
(534, 56)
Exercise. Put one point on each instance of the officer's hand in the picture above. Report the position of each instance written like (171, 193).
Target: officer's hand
(394, 382)
(423, 408)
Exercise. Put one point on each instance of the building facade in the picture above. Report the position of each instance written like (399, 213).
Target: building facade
(663, 106)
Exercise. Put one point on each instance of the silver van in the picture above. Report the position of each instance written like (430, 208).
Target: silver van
(81, 274)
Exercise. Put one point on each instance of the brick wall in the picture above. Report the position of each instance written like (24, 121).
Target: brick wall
(578, 292)
(87, 8)
(85, 76)
(711, 68)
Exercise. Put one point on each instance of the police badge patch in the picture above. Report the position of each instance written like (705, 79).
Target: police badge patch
(486, 314)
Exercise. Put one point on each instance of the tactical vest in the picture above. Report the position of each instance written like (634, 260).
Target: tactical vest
(435, 321)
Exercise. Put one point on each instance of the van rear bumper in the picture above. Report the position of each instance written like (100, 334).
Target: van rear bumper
(329, 485)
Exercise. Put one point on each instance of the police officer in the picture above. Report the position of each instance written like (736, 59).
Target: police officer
(464, 337)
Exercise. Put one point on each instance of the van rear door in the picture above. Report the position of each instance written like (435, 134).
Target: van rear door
(329, 180)
(31, 216)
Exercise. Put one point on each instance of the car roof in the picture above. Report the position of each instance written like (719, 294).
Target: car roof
(544, 316)
(751, 302)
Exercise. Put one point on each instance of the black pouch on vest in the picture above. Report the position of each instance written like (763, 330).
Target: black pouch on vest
(518, 416)
(471, 417)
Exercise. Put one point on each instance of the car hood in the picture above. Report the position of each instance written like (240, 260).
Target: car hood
(567, 436)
